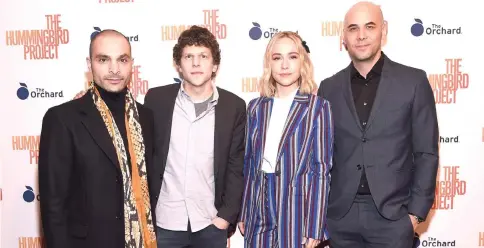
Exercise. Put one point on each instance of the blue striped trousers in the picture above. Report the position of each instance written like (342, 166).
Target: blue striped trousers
(266, 233)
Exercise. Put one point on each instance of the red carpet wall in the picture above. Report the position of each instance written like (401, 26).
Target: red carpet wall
(441, 37)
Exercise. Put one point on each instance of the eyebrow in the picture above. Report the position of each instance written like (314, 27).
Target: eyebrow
(205, 53)
(296, 53)
(355, 25)
(104, 56)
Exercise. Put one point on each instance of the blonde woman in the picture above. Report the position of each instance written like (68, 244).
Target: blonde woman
(288, 156)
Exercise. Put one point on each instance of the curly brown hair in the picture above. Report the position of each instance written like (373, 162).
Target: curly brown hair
(197, 36)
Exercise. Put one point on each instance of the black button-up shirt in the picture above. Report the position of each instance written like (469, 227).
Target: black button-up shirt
(364, 93)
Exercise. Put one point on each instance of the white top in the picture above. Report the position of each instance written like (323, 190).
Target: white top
(277, 122)
(188, 188)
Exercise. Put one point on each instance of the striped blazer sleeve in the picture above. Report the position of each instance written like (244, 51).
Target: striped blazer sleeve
(246, 198)
(322, 164)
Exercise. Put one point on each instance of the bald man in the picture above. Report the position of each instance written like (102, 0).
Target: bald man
(94, 159)
(386, 141)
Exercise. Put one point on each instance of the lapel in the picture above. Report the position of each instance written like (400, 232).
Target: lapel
(220, 129)
(167, 106)
(94, 124)
(298, 110)
(348, 95)
(262, 124)
(383, 87)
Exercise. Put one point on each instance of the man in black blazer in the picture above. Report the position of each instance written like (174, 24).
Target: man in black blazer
(386, 141)
(89, 177)
(200, 131)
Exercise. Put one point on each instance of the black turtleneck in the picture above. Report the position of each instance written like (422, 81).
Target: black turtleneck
(116, 102)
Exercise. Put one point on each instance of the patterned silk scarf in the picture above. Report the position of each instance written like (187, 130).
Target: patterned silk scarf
(139, 227)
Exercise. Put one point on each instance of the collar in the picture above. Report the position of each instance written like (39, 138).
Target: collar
(298, 97)
(290, 96)
(214, 96)
(375, 71)
(115, 101)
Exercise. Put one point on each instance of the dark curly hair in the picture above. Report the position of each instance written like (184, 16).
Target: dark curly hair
(197, 36)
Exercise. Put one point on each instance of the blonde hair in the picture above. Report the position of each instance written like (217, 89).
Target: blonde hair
(267, 83)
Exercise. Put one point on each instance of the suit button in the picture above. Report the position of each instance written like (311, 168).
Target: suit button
(359, 167)
(363, 140)
(161, 176)
(118, 217)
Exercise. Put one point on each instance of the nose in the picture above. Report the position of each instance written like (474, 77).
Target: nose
(285, 64)
(196, 61)
(362, 34)
(114, 67)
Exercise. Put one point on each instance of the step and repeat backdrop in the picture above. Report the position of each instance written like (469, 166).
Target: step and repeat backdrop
(441, 37)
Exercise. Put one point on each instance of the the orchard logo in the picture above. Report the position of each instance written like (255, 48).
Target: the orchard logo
(257, 32)
(449, 140)
(40, 43)
(29, 195)
(432, 242)
(418, 29)
(97, 30)
(210, 21)
(23, 93)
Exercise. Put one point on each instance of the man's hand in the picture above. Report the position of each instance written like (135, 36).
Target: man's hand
(414, 222)
(241, 227)
(220, 223)
(80, 94)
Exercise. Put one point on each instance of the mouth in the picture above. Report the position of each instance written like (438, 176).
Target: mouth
(114, 80)
(285, 74)
(196, 73)
(361, 47)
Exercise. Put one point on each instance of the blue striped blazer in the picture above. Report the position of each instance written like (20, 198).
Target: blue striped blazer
(303, 167)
